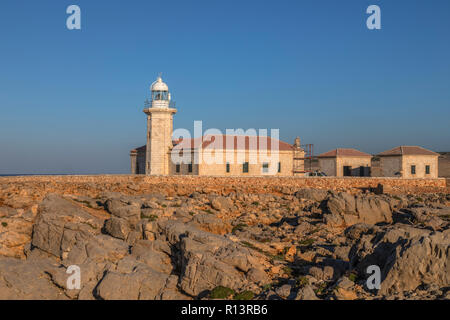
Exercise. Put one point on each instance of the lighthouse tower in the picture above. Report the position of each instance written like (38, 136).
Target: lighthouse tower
(159, 129)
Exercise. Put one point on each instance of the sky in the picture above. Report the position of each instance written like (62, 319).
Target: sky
(71, 101)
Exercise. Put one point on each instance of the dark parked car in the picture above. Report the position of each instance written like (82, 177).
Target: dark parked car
(315, 174)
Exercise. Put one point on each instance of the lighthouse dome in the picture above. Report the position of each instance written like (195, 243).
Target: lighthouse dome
(159, 85)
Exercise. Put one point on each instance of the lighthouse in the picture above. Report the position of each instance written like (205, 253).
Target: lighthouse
(159, 129)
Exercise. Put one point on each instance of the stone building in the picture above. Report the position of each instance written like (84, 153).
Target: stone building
(343, 162)
(409, 162)
(209, 154)
(444, 164)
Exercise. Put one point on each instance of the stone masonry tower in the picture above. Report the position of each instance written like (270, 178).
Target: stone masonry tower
(159, 129)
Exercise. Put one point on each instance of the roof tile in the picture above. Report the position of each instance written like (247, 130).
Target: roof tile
(226, 142)
(344, 152)
(408, 150)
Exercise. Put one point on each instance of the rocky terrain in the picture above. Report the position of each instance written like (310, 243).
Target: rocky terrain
(133, 241)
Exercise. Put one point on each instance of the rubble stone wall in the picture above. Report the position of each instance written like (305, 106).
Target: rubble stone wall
(224, 185)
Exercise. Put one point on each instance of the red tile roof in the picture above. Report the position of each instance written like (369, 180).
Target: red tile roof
(227, 142)
(408, 150)
(342, 152)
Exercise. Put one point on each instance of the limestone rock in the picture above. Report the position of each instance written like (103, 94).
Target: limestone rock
(208, 260)
(306, 293)
(15, 233)
(7, 212)
(345, 209)
(407, 257)
(425, 217)
(155, 254)
(424, 259)
(211, 223)
(311, 194)
(60, 224)
(258, 276)
(284, 291)
(142, 284)
(345, 294)
(344, 283)
(129, 210)
(303, 228)
(104, 248)
(118, 228)
(26, 280)
(221, 203)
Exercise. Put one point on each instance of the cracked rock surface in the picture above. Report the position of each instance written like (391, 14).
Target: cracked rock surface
(304, 244)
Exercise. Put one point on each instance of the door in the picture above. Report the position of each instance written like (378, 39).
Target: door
(361, 171)
(347, 171)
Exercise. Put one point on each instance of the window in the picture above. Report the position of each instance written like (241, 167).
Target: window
(228, 167)
(413, 169)
(160, 95)
(427, 169)
(178, 168)
(245, 167)
(279, 167)
(265, 167)
(190, 167)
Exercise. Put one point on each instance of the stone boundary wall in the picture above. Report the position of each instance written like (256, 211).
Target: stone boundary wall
(224, 185)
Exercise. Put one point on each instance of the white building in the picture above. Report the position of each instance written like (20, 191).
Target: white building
(250, 155)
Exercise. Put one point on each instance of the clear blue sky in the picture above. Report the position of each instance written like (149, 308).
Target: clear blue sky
(71, 101)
